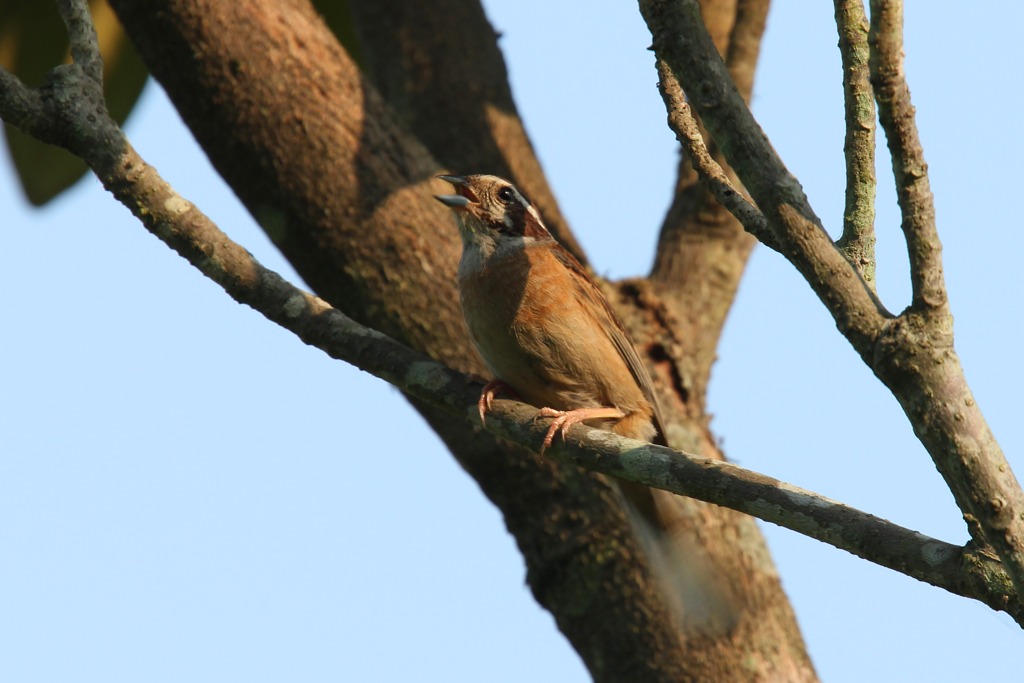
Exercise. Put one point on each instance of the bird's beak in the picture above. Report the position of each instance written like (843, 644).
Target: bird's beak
(464, 196)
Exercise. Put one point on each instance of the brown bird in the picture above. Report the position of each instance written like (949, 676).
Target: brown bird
(547, 333)
(540, 322)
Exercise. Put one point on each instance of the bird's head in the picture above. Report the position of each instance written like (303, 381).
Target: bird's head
(491, 211)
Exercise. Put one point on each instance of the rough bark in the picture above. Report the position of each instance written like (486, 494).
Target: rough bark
(342, 187)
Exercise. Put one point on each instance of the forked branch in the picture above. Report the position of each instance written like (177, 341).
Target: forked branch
(913, 353)
(680, 40)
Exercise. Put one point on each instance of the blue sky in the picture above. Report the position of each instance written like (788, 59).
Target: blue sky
(189, 493)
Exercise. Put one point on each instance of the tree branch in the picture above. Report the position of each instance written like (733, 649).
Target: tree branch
(682, 43)
(23, 107)
(912, 354)
(864, 535)
(913, 191)
(69, 109)
(85, 49)
(711, 174)
(916, 357)
(702, 249)
(858, 239)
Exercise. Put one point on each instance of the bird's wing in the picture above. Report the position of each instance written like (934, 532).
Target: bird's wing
(616, 332)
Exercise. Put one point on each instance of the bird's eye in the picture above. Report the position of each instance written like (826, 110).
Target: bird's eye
(505, 194)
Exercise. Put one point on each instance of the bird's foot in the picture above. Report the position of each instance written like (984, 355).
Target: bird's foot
(488, 393)
(567, 418)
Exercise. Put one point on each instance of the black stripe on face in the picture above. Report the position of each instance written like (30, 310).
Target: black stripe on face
(513, 221)
(519, 219)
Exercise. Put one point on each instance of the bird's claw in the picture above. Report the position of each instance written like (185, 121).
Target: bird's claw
(483, 405)
(564, 419)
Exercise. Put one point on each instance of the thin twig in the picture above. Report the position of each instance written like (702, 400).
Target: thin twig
(20, 106)
(711, 174)
(858, 239)
(702, 248)
(913, 191)
(85, 48)
(681, 41)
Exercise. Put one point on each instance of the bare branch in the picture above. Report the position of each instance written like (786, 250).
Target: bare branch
(682, 43)
(85, 49)
(21, 106)
(745, 43)
(51, 113)
(917, 360)
(897, 117)
(912, 354)
(688, 133)
(69, 109)
(869, 537)
(858, 239)
(702, 248)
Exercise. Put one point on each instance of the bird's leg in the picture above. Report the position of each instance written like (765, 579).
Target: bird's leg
(487, 395)
(567, 418)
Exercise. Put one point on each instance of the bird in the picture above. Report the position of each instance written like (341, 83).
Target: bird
(548, 335)
(542, 325)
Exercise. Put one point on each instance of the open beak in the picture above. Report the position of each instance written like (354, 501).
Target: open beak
(463, 197)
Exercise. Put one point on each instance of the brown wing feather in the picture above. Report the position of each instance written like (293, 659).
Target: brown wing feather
(617, 333)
